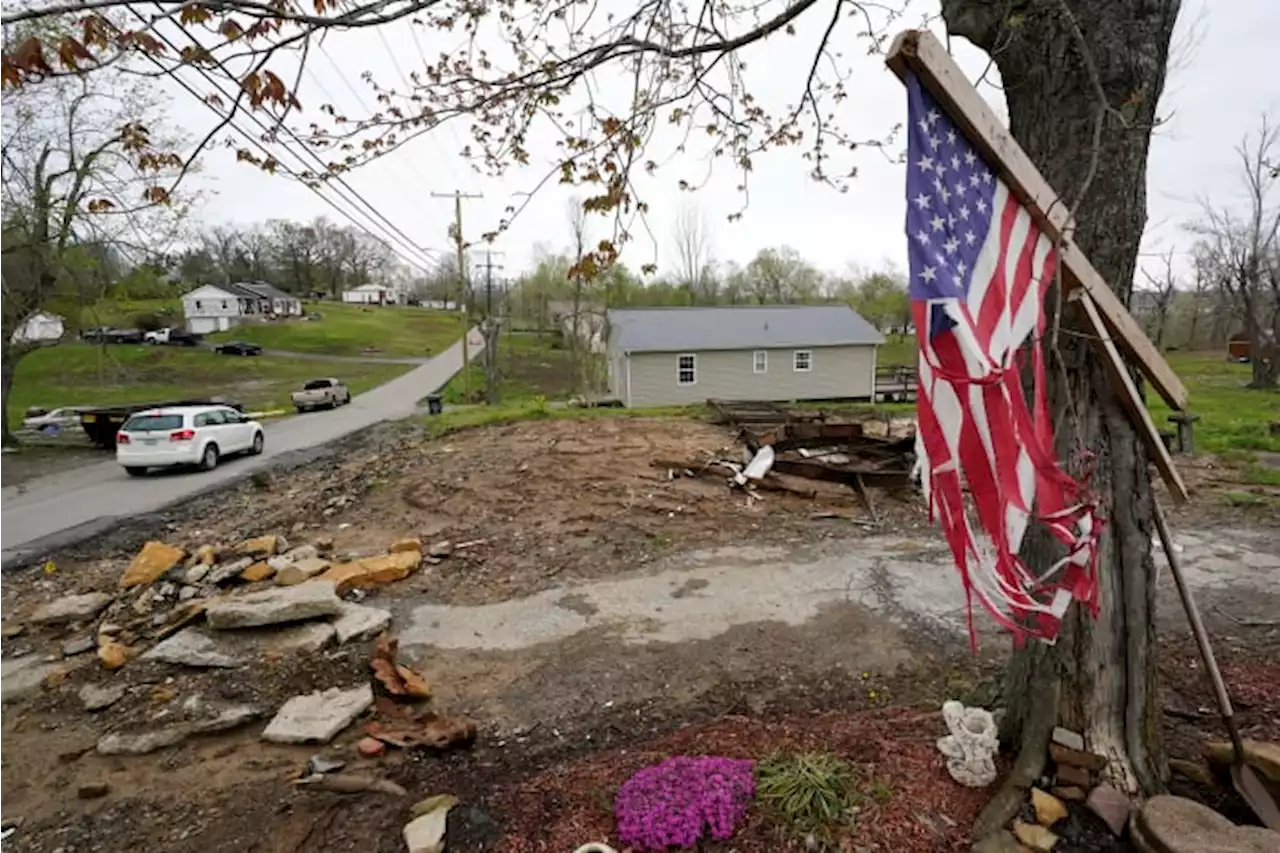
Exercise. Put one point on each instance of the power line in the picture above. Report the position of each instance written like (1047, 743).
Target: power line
(377, 214)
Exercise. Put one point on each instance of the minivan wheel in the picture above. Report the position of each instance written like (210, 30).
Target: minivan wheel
(210, 459)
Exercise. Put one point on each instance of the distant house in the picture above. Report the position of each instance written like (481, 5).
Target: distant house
(40, 328)
(219, 307)
(370, 294)
(591, 325)
(676, 356)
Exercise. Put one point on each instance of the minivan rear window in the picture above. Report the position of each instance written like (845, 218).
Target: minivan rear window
(152, 423)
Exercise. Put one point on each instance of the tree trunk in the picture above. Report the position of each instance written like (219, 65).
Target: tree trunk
(1100, 678)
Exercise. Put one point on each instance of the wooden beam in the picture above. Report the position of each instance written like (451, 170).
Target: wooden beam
(921, 52)
(1130, 398)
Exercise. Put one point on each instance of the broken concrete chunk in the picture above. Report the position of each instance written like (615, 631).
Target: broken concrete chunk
(22, 677)
(1068, 738)
(426, 833)
(405, 545)
(263, 546)
(302, 570)
(273, 606)
(71, 608)
(302, 552)
(156, 739)
(114, 655)
(196, 573)
(150, 564)
(373, 571)
(79, 646)
(358, 621)
(228, 572)
(318, 717)
(259, 571)
(324, 544)
(191, 647)
(440, 549)
(96, 697)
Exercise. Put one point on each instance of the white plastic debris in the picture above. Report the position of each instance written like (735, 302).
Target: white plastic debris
(757, 467)
(971, 747)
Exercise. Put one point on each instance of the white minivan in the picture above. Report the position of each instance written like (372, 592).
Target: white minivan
(185, 435)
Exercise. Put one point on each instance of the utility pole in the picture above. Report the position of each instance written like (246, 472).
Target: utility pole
(463, 290)
(490, 330)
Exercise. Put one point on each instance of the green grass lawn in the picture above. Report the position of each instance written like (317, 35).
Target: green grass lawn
(393, 330)
(1234, 420)
(76, 374)
(529, 366)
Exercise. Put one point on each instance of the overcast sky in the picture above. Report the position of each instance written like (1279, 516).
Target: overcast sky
(1214, 98)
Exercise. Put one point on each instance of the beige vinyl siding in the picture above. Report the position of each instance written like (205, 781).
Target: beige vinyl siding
(836, 373)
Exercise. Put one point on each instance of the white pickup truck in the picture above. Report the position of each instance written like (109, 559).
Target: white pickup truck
(321, 393)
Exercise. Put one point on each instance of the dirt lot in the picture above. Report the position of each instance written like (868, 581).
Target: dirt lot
(567, 704)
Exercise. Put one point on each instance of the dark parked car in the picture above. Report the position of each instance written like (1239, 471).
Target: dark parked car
(238, 348)
(108, 335)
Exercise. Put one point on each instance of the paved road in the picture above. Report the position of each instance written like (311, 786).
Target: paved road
(69, 505)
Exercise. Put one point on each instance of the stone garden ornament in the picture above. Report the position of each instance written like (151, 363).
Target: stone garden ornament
(971, 747)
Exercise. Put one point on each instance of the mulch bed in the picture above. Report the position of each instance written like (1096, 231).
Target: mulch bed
(571, 803)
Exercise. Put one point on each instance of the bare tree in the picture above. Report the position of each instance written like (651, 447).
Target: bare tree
(578, 274)
(80, 177)
(1160, 293)
(693, 254)
(1242, 252)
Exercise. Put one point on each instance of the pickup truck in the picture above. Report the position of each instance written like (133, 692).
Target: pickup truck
(327, 393)
(172, 337)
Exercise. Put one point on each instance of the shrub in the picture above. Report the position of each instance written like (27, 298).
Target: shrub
(673, 804)
(811, 795)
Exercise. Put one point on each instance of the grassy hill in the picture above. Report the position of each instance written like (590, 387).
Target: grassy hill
(77, 374)
(393, 330)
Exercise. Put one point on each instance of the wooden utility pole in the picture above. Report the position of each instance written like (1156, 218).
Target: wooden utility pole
(464, 298)
(490, 330)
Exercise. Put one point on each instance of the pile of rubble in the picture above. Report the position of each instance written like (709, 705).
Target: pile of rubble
(779, 448)
(221, 608)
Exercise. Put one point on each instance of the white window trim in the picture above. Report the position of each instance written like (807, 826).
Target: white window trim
(681, 357)
(795, 356)
(756, 362)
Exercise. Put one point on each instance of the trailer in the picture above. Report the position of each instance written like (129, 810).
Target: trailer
(103, 422)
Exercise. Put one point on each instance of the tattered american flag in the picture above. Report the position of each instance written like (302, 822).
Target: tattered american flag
(979, 271)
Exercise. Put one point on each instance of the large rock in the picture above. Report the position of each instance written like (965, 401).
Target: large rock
(373, 571)
(224, 573)
(318, 717)
(1049, 809)
(1167, 824)
(22, 677)
(71, 608)
(1034, 836)
(1111, 805)
(150, 564)
(273, 606)
(198, 647)
(359, 621)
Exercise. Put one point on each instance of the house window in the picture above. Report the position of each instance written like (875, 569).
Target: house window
(224, 305)
(686, 370)
(760, 361)
(802, 360)
(197, 304)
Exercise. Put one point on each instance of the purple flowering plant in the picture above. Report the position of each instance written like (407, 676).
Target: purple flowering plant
(673, 804)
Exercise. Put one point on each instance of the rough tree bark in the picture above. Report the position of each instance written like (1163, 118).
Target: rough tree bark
(1066, 65)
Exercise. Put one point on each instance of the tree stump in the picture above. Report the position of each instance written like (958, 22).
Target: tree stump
(1186, 443)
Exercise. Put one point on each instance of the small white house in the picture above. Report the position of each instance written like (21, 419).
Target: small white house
(40, 328)
(219, 307)
(370, 294)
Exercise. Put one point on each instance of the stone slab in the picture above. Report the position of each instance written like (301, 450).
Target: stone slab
(71, 608)
(359, 621)
(313, 600)
(318, 717)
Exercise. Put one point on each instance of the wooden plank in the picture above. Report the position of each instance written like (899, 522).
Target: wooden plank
(1132, 400)
(921, 52)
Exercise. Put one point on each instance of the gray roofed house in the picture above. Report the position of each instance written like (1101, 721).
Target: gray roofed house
(675, 356)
